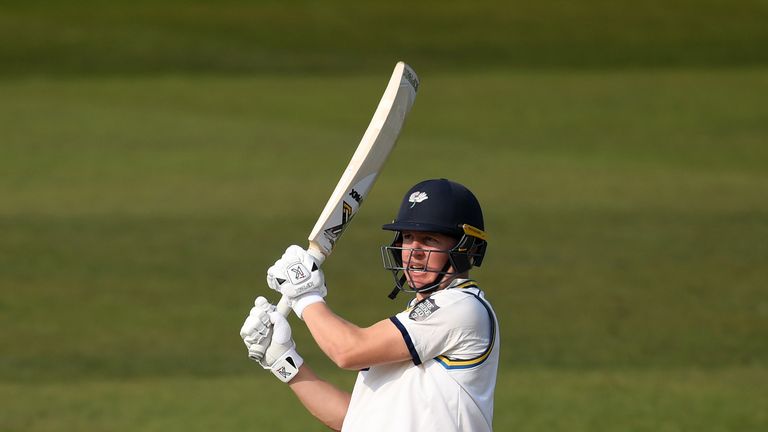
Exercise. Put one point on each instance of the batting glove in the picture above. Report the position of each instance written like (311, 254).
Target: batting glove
(267, 335)
(281, 357)
(297, 276)
(257, 329)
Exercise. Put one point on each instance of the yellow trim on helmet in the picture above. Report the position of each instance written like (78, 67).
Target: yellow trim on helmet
(474, 232)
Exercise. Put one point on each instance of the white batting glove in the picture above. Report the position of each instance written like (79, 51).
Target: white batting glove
(297, 276)
(257, 329)
(281, 357)
(267, 335)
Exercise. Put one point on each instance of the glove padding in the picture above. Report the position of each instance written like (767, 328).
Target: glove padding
(281, 357)
(297, 276)
(257, 329)
(267, 335)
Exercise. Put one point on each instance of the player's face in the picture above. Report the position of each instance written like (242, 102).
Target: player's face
(423, 255)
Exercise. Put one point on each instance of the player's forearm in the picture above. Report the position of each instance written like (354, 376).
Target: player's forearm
(337, 337)
(323, 400)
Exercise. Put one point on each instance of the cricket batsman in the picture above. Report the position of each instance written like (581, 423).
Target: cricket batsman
(431, 367)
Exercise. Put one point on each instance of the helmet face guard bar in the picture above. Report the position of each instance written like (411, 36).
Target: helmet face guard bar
(468, 252)
(392, 257)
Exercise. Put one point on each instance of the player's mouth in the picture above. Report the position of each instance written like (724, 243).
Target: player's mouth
(419, 274)
(417, 268)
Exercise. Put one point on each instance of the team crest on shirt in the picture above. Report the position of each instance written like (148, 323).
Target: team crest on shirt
(423, 310)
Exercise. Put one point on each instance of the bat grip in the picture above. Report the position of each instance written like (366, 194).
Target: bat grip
(284, 305)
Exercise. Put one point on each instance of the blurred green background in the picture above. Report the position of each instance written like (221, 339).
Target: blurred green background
(157, 156)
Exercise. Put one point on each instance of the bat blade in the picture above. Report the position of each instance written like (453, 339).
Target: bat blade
(367, 161)
(364, 167)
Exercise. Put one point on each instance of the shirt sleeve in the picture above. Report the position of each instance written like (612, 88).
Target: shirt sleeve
(457, 326)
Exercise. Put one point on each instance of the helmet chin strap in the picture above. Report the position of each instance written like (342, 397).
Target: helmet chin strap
(398, 287)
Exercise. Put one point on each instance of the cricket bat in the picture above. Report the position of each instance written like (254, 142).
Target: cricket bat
(367, 161)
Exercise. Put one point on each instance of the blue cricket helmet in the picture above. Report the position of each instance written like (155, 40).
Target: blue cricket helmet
(445, 207)
(438, 206)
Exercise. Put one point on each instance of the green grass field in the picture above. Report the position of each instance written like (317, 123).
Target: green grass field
(627, 262)
(156, 157)
(118, 37)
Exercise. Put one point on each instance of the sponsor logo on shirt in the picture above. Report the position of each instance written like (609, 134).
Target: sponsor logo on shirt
(423, 310)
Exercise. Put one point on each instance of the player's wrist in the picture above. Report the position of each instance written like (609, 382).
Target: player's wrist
(287, 365)
(302, 302)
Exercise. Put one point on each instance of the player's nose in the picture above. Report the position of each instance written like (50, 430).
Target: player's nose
(417, 251)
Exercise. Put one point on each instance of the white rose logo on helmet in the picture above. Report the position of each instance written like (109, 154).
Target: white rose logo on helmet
(417, 197)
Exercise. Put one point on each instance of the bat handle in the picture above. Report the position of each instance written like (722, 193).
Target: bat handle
(284, 306)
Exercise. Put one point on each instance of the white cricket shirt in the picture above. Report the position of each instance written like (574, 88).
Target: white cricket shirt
(448, 385)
